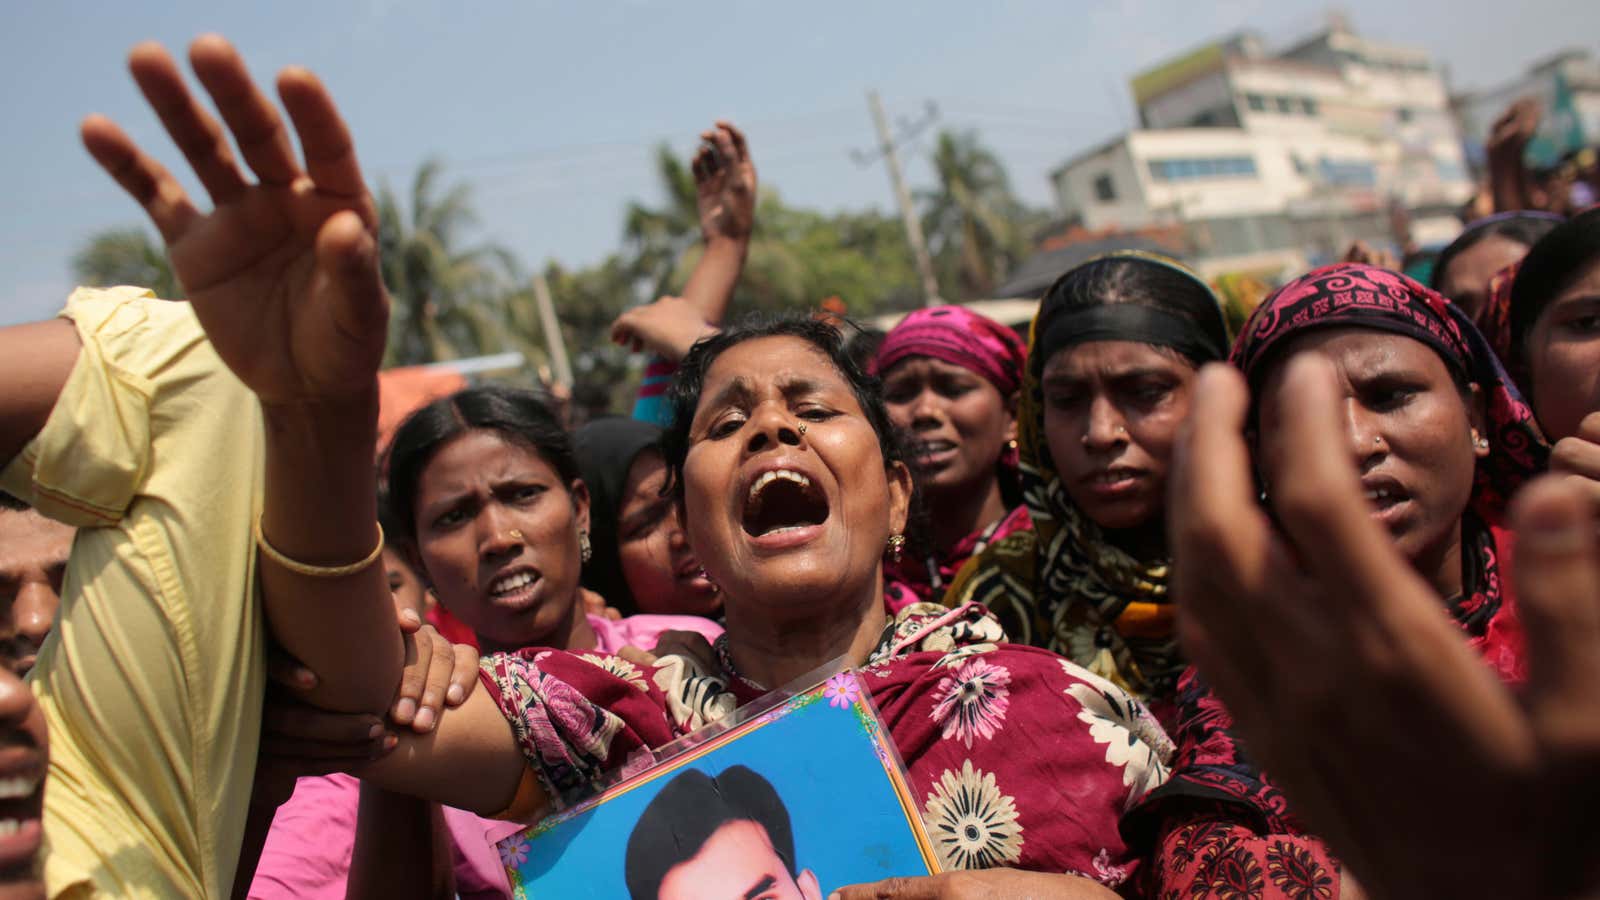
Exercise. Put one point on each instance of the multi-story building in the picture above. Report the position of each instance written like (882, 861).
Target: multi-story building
(1273, 162)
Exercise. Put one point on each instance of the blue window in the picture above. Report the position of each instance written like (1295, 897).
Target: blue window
(1341, 173)
(1202, 167)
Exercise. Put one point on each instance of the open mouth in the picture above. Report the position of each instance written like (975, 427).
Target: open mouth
(781, 500)
(513, 585)
(21, 778)
(1385, 494)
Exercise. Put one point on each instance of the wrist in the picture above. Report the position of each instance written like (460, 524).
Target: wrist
(355, 412)
(722, 243)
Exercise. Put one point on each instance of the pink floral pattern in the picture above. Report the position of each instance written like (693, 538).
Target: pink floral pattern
(842, 690)
(971, 701)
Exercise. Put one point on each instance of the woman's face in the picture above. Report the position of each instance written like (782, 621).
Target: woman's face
(1409, 427)
(960, 421)
(24, 764)
(408, 589)
(497, 534)
(1111, 413)
(786, 497)
(1563, 353)
(662, 572)
(1466, 280)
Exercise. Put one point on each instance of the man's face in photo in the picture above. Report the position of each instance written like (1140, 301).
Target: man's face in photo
(738, 862)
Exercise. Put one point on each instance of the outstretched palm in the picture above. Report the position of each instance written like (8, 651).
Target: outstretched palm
(283, 273)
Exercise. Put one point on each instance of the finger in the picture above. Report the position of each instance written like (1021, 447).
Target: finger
(290, 672)
(724, 142)
(196, 132)
(700, 166)
(285, 720)
(325, 141)
(637, 656)
(299, 750)
(465, 676)
(419, 651)
(741, 147)
(410, 621)
(436, 683)
(1218, 532)
(1589, 428)
(924, 888)
(146, 181)
(1576, 456)
(1557, 574)
(348, 256)
(1316, 492)
(257, 128)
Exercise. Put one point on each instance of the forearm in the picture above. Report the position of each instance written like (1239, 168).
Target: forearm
(470, 761)
(402, 848)
(711, 284)
(320, 508)
(1507, 181)
(35, 360)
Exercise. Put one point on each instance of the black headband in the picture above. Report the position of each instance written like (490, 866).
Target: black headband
(1130, 322)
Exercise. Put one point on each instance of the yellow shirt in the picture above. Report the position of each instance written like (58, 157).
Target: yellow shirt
(152, 681)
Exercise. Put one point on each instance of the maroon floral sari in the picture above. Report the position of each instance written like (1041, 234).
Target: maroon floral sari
(1015, 756)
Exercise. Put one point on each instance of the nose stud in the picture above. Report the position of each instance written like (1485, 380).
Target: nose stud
(515, 534)
(801, 428)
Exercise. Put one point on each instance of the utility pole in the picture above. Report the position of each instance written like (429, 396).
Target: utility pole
(902, 196)
(552, 330)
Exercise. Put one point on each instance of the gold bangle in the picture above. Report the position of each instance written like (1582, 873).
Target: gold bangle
(310, 571)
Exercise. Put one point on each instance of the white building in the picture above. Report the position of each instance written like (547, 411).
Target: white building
(1277, 162)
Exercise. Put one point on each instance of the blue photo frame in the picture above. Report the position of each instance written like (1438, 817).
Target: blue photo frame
(822, 756)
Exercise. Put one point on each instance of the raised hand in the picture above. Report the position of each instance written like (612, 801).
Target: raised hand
(725, 184)
(667, 328)
(1342, 669)
(283, 272)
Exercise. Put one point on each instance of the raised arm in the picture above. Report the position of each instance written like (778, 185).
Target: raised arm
(283, 275)
(725, 191)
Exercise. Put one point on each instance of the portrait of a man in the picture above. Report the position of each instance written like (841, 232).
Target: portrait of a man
(727, 837)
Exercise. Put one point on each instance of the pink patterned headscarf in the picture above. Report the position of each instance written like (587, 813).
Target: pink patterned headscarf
(961, 337)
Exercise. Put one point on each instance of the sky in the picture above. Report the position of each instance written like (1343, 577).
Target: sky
(550, 111)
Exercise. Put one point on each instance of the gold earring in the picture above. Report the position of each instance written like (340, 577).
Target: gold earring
(1011, 444)
(897, 545)
(585, 550)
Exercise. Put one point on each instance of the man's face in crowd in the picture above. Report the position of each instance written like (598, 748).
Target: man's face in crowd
(33, 558)
(738, 862)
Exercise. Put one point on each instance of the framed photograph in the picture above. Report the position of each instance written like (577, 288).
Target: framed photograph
(792, 801)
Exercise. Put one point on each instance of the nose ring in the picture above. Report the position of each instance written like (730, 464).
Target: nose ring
(515, 534)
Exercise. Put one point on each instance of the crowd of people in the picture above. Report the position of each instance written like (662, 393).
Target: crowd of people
(1148, 609)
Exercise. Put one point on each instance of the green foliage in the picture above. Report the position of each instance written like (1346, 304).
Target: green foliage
(454, 298)
(126, 256)
(976, 228)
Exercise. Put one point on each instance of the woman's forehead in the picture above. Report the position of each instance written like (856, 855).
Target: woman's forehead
(761, 365)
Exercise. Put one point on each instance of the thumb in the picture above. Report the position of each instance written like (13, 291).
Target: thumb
(891, 889)
(1557, 575)
(347, 256)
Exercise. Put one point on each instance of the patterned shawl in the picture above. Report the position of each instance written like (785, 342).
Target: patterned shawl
(1015, 756)
(1064, 587)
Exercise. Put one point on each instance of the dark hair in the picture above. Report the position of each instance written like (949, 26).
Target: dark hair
(1549, 268)
(1522, 228)
(1140, 281)
(606, 450)
(684, 396)
(519, 415)
(688, 811)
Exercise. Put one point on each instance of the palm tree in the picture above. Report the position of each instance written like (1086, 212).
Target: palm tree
(660, 237)
(972, 218)
(449, 301)
(126, 256)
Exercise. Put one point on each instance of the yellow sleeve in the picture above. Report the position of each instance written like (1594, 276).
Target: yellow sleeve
(152, 681)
